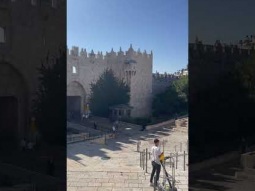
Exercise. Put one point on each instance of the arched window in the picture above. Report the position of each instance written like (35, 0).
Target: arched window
(74, 70)
(2, 35)
(34, 2)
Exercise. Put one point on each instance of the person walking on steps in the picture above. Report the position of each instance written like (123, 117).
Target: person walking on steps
(155, 161)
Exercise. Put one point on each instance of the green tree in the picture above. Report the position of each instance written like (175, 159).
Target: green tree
(50, 102)
(106, 92)
(173, 100)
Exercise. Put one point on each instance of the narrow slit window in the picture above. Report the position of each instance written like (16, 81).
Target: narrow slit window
(34, 2)
(74, 70)
(2, 35)
(54, 3)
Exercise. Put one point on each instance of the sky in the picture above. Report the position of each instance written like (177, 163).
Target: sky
(225, 20)
(160, 26)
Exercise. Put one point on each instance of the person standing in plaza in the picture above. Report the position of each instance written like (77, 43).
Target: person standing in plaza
(95, 125)
(155, 161)
(113, 129)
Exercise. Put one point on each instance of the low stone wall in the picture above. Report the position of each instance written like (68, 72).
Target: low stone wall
(77, 137)
(40, 180)
(248, 160)
(122, 123)
(165, 123)
(218, 160)
(214, 161)
(101, 139)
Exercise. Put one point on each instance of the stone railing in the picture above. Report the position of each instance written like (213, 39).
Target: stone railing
(214, 161)
(248, 160)
(122, 123)
(41, 181)
(158, 125)
(77, 137)
(101, 139)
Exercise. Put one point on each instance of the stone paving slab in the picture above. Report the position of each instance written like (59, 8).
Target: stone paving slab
(87, 171)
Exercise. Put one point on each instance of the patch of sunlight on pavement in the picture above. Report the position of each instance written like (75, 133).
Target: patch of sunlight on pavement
(128, 128)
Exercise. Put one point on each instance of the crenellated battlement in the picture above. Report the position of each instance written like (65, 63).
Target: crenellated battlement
(35, 3)
(242, 48)
(82, 53)
(164, 77)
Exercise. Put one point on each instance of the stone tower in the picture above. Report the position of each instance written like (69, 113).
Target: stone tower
(134, 67)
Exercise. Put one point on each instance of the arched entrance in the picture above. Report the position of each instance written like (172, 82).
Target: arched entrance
(13, 104)
(76, 98)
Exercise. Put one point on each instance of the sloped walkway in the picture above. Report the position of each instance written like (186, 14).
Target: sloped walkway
(115, 166)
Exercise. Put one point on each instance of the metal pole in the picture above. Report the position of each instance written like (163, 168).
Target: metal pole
(170, 160)
(176, 159)
(155, 183)
(163, 145)
(184, 160)
(143, 158)
(146, 159)
(180, 147)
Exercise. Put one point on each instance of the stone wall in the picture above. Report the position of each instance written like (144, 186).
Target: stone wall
(134, 67)
(31, 32)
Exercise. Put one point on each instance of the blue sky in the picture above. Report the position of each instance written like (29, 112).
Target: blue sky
(225, 20)
(157, 25)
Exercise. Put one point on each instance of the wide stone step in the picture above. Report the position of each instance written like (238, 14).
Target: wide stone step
(244, 176)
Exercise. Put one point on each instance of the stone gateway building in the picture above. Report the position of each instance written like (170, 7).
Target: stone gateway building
(134, 67)
(28, 31)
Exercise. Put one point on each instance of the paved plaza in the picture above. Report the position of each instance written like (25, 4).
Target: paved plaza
(116, 165)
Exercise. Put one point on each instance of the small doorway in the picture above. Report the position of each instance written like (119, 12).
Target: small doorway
(8, 120)
(74, 107)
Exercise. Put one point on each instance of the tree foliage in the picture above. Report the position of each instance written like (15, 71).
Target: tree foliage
(50, 102)
(173, 100)
(106, 92)
(220, 102)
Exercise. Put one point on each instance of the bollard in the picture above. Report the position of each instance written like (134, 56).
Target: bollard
(184, 161)
(138, 146)
(176, 160)
(155, 183)
(143, 158)
(146, 159)
(170, 160)
(140, 159)
(173, 175)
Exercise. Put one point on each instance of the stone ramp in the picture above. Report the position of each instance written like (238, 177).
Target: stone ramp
(176, 141)
(120, 172)
(87, 171)
(84, 128)
(107, 180)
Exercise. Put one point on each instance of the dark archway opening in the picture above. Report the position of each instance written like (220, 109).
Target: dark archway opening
(74, 107)
(8, 121)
